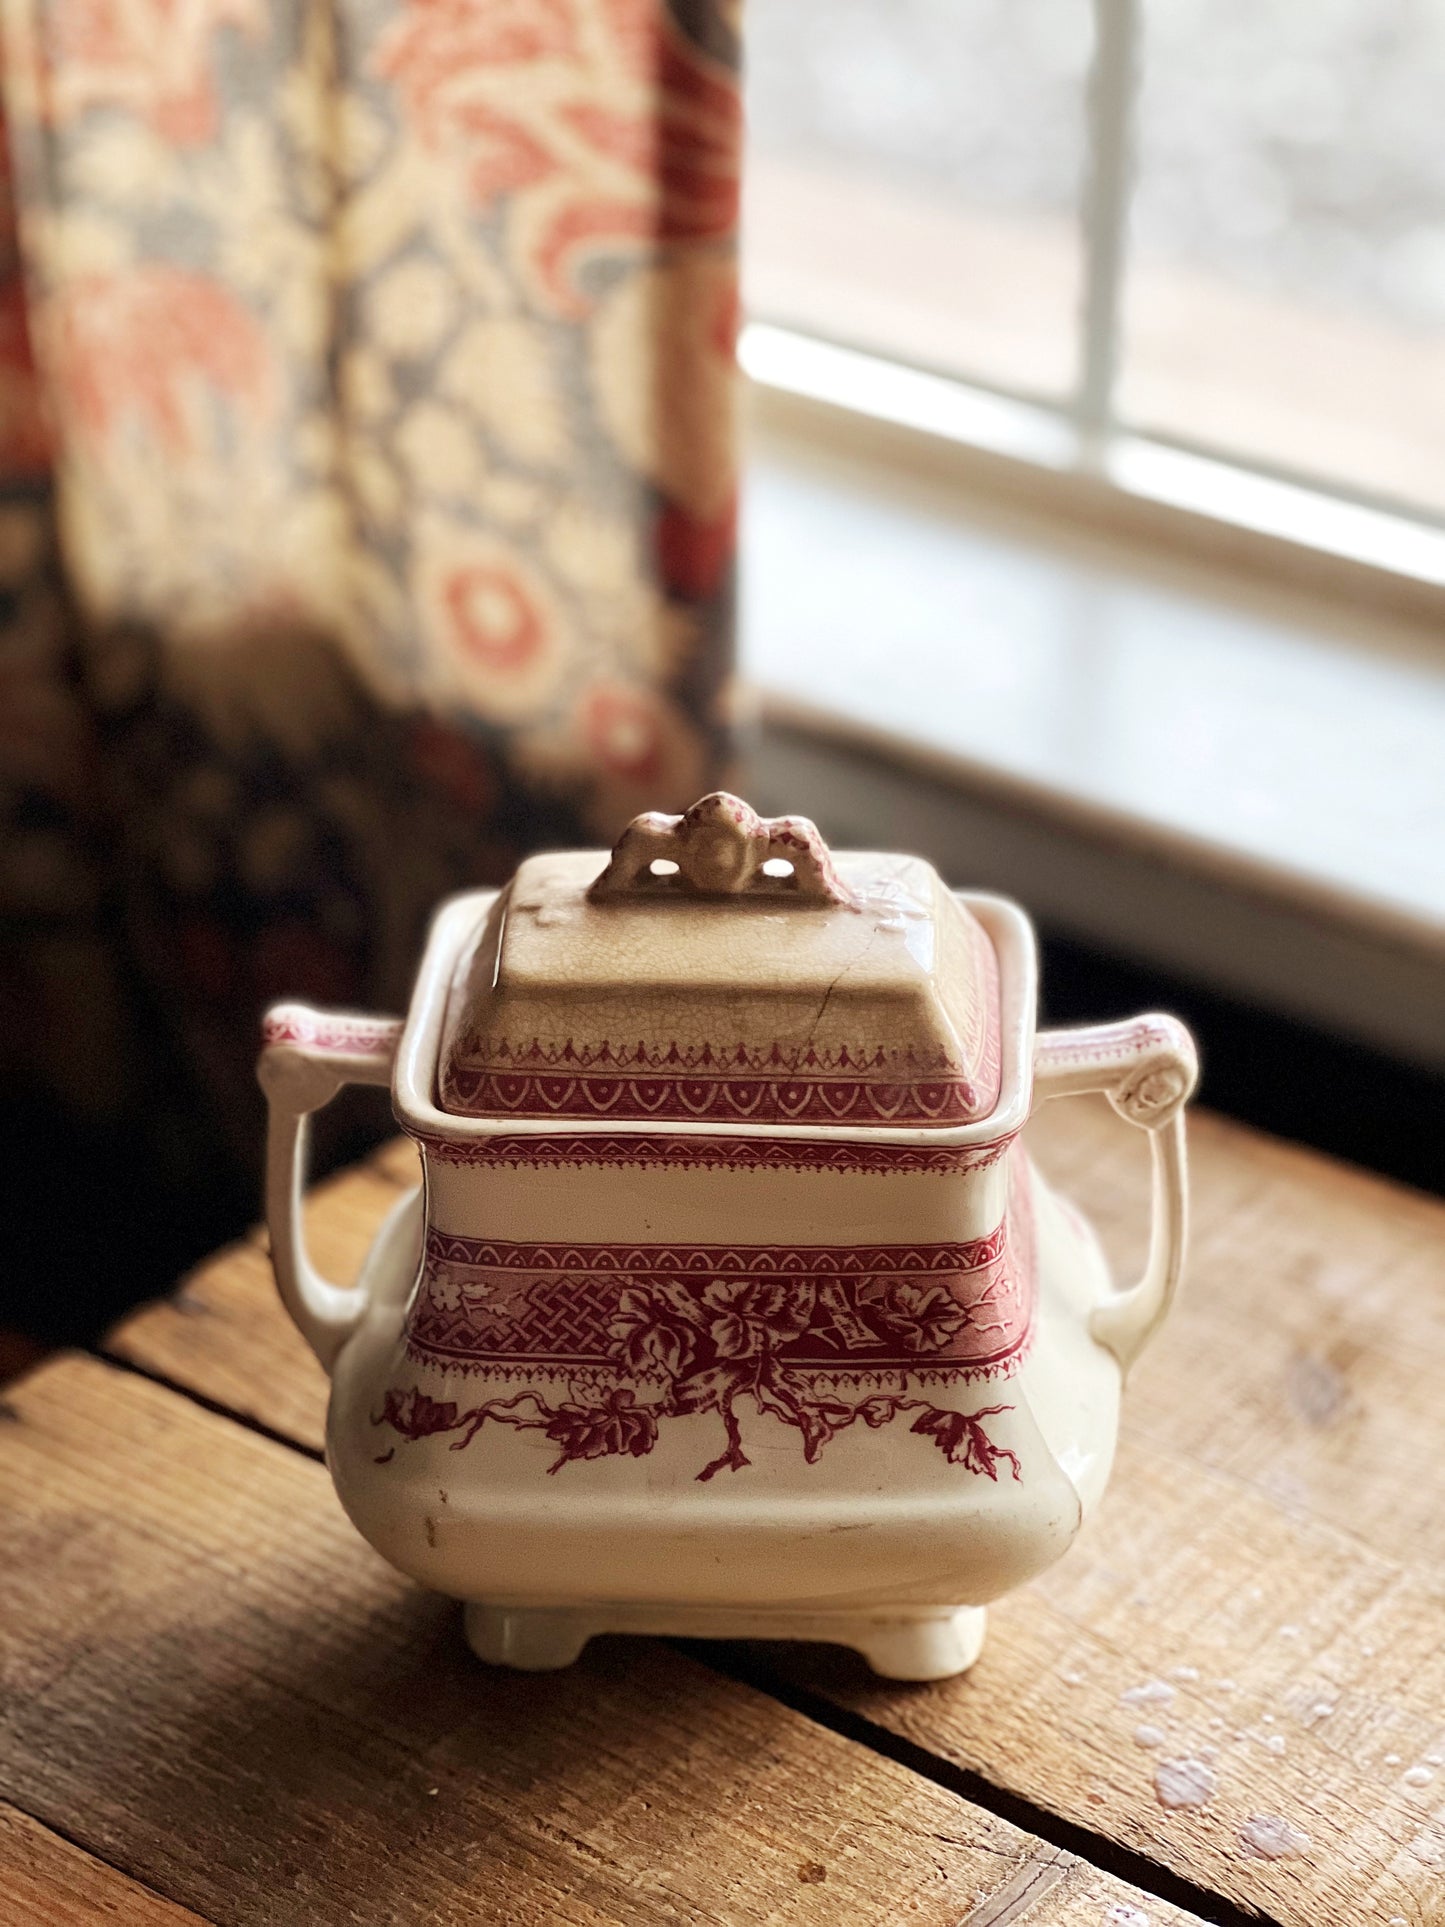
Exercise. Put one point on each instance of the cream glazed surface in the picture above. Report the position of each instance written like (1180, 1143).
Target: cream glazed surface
(880, 1517)
(633, 1361)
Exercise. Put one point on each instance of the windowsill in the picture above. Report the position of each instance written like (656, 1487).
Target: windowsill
(985, 294)
(1272, 746)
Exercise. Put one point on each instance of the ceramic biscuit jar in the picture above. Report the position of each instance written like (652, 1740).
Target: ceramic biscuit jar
(730, 1303)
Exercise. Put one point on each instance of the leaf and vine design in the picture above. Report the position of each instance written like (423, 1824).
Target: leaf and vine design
(638, 1341)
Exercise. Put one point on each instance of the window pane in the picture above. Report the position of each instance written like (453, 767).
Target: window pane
(1286, 295)
(913, 179)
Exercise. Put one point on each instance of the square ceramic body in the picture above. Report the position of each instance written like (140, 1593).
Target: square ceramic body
(731, 1290)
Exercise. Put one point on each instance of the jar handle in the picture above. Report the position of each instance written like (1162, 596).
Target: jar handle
(1147, 1068)
(306, 1057)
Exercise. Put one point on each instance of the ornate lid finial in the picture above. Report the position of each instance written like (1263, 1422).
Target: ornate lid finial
(721, 848)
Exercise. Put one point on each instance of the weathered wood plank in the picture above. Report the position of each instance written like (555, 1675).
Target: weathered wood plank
(209, 1680)
(1307, 1347)
(1277, 1520)
(1270, 1561)
(46, 1882)
(224, 1334)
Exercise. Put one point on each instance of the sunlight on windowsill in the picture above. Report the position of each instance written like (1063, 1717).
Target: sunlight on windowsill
(1260, 730)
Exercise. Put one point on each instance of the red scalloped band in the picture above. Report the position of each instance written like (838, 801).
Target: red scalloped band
(724, 1098)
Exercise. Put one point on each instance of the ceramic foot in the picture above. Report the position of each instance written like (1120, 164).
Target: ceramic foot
(530, 1638)
(921, 1649)
(539, 1639)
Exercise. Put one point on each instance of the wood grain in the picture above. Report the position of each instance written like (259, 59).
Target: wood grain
(1271, 1553)
(213, 1684)
(1277, 1521)
(223, 1333)
(47, 1882)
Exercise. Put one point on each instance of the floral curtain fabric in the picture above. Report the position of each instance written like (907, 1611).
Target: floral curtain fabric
(367, 499)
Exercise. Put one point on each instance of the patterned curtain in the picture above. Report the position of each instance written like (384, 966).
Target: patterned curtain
(367, 489)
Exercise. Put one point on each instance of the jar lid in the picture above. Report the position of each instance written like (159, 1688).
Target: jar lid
(725, 968)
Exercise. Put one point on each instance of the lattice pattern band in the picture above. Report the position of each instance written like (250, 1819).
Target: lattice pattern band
(654, 1311)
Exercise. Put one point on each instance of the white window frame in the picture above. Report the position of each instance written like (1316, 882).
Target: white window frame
(1076, 456)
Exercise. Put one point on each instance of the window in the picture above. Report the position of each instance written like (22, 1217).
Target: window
(1286, 294)
(913, 174)
(1095, 526)
(1206, 232)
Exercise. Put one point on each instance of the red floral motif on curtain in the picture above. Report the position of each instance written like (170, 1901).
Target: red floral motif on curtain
(385, 352)
(156, 347)
(151, 58)
(600, 122)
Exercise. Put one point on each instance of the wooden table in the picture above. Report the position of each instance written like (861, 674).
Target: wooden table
(220, 1705)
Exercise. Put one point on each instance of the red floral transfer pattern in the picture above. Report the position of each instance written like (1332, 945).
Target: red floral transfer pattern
(842, 1309)
(819, 1337)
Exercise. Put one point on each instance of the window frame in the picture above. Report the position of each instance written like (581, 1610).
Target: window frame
(1075, 454)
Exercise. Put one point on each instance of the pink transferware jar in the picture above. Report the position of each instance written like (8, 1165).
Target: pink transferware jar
(731, 1303)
